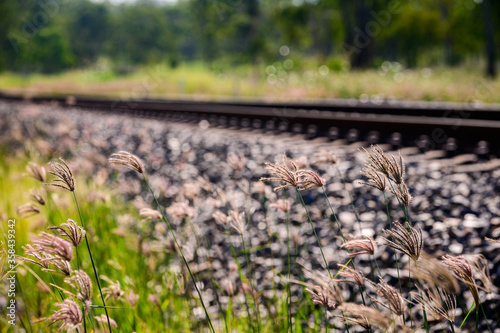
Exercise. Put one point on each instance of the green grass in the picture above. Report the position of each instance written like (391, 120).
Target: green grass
(117, 257)
(302, 81)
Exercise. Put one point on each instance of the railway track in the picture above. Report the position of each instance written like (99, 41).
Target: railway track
(464, 128)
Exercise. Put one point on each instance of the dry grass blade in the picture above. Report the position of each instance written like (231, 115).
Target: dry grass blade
(64, 177)
(128, 160)
(407, 239)
(492, 240)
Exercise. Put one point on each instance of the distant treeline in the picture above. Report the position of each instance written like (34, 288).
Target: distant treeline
(53, 35)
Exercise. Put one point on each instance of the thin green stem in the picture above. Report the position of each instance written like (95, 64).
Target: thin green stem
(343, 238)
(470, 310)
(484, 314)
(477, 318)
(240, 274)
(395, 254)
(288, 297)
(181, 253)
(92, 261)
(252, 284)
(315, 234)
(423, 306)
(409, 292)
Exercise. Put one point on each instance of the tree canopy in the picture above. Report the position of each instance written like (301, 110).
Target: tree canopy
(53, 35)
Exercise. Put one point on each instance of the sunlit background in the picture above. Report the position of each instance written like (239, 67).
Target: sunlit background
(286, 49)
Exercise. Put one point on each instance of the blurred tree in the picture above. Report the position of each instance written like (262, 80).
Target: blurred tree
(414, 30)
(140, 34)
(88, 30)
(491, 70)
(48, 51)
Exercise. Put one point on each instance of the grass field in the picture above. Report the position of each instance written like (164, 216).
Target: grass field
(277, 81)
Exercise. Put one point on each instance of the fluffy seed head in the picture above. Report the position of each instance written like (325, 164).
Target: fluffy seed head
(64, 177)
(348, 272)
(40, 256)
(439, 303)
(375, 179)
(363, 316)
(236, 162)
(365, 243)
(282, 205)
(221, 217)
(434, 273)
(71, 231)
(406, 239)
(396, 302)
(36, 171)
(385, 164)
(38, 196)
(69, 314)
(150, 214)
(237, 222)
(128, 160)
(81, 282)
(463, 270)
(55, 245)
(403, 193)
(321, 297)
(104, 320)
(28, 209)
(325, 157)
(285, 173)
(114, 290)
(309, 179)
(181, 210)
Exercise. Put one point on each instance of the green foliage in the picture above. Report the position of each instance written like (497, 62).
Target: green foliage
(240, 32)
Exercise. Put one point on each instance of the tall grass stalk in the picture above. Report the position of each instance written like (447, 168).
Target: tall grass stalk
(92, 260)
(314, 230)
(486, 319)
(252, 284)
(181, 253)
(467, 316)
(288, 299)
